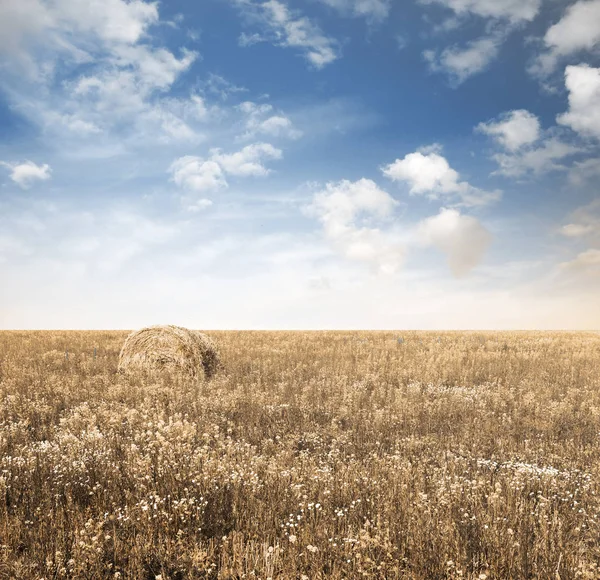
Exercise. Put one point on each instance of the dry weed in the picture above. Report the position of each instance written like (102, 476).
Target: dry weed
(312, 455)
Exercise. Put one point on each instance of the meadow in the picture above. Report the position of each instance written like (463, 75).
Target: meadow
(454, 455)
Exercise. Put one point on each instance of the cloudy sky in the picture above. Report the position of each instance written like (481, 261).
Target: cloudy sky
(300, 163)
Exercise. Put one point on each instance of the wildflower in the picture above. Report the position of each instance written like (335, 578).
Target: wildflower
(292, 539)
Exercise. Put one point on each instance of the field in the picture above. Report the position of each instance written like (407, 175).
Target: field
(310, 455)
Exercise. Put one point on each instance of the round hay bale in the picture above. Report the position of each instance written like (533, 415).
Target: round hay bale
(170, 348)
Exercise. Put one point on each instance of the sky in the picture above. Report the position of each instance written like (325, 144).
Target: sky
(300, 164)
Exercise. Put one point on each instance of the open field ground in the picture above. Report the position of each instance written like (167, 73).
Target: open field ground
(310, 455)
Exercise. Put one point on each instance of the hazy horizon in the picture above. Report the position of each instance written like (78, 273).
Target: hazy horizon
(334, 164)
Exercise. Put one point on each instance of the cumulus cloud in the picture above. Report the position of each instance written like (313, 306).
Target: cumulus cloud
(153, 70)
(513, 130)
(263, 120)
(462, 238)
(27, 173)
(576, 31)
(248, 161)
(199, 175)
(576, 230)
(512, 10)
(197, 205)
(502, 16)
(584, 224)
(424, 172)
(98, 72)
(526, 148)
(584, 171)
(428, 172)
(251, 39)
(584, 228)
(61, 26)
(543, 158)
(221, 87)
(195, 174)
(341, 203)
(347, 210)
(371, 10)
(585, 265)
(124, 93)
(460, 63)
(583, 116)
(288, 29)
(20, 22)
(156, 68)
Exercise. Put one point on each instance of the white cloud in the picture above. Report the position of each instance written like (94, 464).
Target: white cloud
(27, 173)
(250, 39)
(262, 119)
(129, 91)
(503, 16)
(73, 255)
(576, 230)
(527, 149)
(248, 161)
(427, 172)
(577, 30)
(198, 205)
(460, 63)
(339, 204)
(584, 223)
(157, 68)
(347, 209)
(90, 70)
(583, 171)
(111, 20)
(196, 174)
(584, 269)
(545, 157)
(513, 130)
(70, 27)
(401, 41)
(511, 10)
(73, 123)
(586, 263)
(583, 116)
(221, 87)
(20, 23)
(277, 125)
(371, 10)
(462, 238)
(287, 29)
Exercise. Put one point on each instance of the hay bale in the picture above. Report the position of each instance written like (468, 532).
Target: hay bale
(170, 348)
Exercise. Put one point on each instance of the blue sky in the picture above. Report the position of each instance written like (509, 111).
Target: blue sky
(284, 164)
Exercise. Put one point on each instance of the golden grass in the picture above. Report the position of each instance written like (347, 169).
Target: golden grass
(311, 455)
(170, 348)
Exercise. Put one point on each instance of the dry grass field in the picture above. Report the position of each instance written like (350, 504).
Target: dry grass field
(310, 455)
